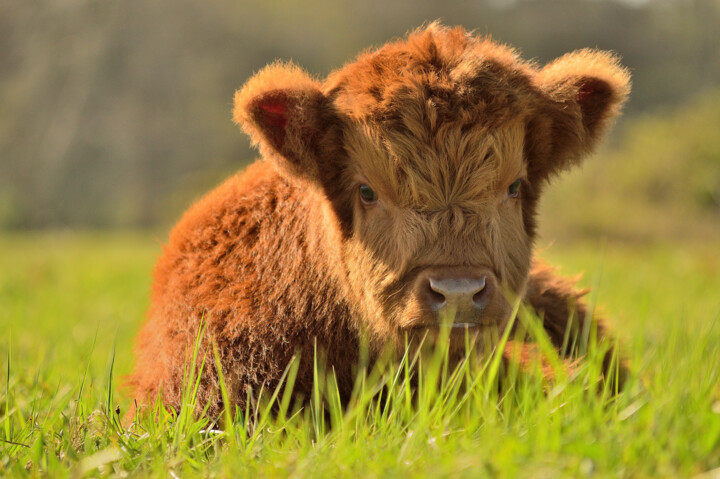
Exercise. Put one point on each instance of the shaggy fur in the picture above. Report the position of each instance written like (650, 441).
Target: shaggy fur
(286, 258)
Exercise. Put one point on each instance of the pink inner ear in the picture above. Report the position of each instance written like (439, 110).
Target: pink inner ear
(275, 112)
(586, 89)
(592, 90)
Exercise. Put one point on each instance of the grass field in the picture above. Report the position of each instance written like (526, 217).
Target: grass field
(71, 304)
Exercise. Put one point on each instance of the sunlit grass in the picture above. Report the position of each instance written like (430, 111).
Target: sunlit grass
(70, 305)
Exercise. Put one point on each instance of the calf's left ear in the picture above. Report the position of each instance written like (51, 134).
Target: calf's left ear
(585, 90)
(286, 115)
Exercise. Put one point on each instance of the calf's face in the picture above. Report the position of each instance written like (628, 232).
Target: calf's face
(437, 224)
(431, 154)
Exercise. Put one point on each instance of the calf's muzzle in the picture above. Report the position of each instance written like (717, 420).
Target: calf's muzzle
(457, 295)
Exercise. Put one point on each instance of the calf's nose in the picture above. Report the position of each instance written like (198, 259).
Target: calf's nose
(463, 295)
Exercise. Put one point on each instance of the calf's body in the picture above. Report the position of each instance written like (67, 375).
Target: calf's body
(251, 262)
(398, 194)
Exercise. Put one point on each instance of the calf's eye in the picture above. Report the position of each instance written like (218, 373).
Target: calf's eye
(514, 189)
(367, 195)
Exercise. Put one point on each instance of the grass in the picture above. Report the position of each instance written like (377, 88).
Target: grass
(71, 304)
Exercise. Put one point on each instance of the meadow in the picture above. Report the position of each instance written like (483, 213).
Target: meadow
(71, 303)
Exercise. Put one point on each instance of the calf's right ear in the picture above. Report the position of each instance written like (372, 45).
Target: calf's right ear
(289, 119)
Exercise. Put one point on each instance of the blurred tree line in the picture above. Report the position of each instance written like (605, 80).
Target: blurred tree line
(117, 113)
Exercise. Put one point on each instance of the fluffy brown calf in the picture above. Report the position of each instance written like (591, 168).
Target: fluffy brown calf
(397, 193)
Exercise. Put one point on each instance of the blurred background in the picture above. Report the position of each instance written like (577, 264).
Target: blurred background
(117, 114)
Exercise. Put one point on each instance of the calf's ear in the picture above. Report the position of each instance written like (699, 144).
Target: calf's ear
(289, 119)
(585, 91)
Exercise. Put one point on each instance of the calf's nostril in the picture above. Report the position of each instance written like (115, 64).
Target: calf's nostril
(479, 293)
(435, 296)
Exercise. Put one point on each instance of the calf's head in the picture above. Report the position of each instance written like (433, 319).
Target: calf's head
(430, 154)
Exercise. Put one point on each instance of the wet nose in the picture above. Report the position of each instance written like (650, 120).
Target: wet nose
(457, 294)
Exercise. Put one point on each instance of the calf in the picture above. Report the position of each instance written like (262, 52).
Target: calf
(397, 194)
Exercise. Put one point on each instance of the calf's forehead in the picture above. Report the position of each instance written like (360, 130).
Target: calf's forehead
(450, 164)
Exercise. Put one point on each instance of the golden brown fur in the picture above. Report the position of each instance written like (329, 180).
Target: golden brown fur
(285, 256)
